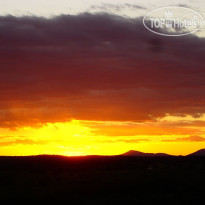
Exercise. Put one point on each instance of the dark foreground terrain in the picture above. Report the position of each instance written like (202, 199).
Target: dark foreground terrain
(102, 180)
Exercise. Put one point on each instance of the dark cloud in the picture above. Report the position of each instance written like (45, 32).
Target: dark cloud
(95, 67)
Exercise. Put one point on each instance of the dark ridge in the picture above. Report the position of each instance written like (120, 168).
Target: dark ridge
(102, 180)
(200, 152)
(142, 154)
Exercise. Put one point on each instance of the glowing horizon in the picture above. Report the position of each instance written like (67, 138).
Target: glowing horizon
(79, 138)
(90, 79)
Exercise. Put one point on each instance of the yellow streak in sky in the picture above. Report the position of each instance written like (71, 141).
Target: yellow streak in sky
(77, 138)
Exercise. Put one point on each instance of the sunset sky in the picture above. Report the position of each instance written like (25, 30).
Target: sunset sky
(85, 77)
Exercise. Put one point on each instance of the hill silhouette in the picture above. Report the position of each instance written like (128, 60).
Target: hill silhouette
(142, 154)
(103, 179)
(200, 152)
(135, 153)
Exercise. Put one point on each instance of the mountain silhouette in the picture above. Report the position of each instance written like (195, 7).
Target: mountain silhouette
(200, 152)
(142, 154)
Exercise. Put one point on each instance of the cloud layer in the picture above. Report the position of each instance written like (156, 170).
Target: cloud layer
(194, 138)
(96, 67)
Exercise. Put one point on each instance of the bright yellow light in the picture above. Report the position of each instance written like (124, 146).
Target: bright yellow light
(79, 138)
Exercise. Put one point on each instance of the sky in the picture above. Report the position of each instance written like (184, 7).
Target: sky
(58, 7)
(86, 77)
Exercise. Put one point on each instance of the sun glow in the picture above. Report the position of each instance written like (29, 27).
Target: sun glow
(80, 138)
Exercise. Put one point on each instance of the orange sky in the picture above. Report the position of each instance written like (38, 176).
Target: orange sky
(103, 138)
(69, 86)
